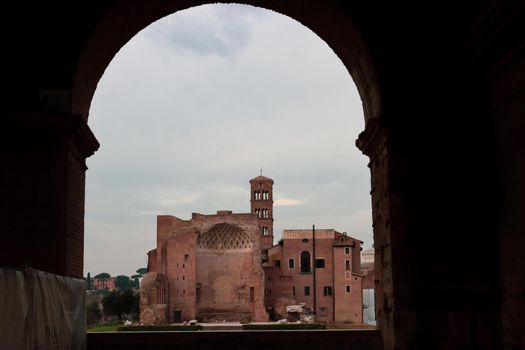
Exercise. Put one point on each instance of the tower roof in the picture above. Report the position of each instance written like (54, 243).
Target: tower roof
(261, 178)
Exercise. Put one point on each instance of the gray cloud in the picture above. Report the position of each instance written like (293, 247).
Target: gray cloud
(222, 30)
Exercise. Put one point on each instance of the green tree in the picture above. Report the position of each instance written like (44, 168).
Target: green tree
(117, 303)
(142, 271)
(93, 313)
(103, 276)
(136, 306)
(127, 301)
(88, 281)
(111, 304)
(123, 282)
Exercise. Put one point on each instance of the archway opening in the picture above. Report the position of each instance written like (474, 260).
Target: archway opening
(259, 132)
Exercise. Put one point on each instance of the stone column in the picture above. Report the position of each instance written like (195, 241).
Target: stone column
(42, 184)
(387, 220)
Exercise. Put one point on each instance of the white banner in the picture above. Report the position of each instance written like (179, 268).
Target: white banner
(40, 310)
(13, 310)
(369, 310)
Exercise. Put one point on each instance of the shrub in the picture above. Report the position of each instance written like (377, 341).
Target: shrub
(284, 326)
(159, 328)
(93, 313)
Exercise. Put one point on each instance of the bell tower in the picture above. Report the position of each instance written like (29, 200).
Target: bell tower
(261, 200)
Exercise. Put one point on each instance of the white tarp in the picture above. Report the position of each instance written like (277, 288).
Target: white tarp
(40, 310)
(13, 310)
(294, 308)
(369, 310)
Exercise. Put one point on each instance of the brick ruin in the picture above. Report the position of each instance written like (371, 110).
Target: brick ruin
(207, 268)
(224, 267)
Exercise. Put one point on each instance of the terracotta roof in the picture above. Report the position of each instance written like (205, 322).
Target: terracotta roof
(261, 178)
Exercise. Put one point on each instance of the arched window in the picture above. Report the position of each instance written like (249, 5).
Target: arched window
(305, 261)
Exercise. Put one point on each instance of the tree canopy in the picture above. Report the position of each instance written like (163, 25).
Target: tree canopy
(103, 276)
(118, 303)
(123, 282)
(93, 313)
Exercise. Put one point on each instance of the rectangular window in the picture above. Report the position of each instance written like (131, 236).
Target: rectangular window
(327, 290)
(293, 291)
(319, 263)
(347, 264)
(278, 263)
(347, 250)
(252, 294)
(322, 311)
(306, 290)
(348, 289)
(291, 263)
(264, 255)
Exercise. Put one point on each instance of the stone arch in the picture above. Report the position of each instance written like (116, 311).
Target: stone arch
(472, 125)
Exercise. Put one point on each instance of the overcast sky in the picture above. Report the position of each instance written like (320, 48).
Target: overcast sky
(194, 105)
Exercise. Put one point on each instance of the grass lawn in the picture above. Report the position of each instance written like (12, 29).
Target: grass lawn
(350, 326)
(109, 327)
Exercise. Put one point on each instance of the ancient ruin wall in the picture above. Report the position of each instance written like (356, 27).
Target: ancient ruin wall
(229, 272)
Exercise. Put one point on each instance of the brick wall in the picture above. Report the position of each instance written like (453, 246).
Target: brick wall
(76, 170)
